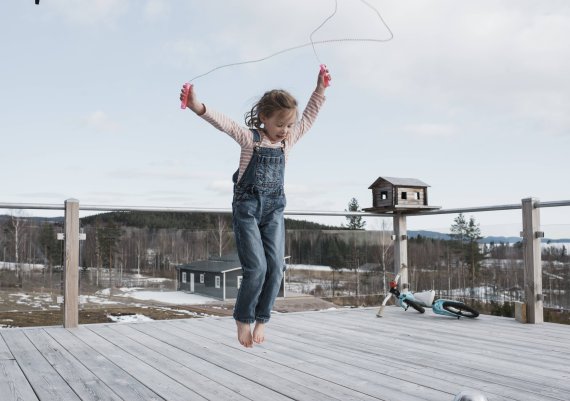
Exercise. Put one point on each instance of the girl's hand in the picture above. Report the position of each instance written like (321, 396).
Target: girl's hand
(323, 80)
(192, 102)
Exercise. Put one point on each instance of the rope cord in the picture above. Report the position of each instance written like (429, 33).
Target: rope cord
(312, 42)
(319, 27)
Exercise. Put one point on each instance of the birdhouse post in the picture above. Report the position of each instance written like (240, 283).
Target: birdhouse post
(400, 196)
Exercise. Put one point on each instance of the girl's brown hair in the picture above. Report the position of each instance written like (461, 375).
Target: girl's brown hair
(271, 102)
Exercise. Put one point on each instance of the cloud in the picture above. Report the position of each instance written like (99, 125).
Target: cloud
(430, 130)
(547, 111)
(221, 187)
(158, 174)
(92, 12)
(192, 55)
(470, 58)
(301, 190)
(100, 121)
(157, 9)
(43, 195)
(97, 12)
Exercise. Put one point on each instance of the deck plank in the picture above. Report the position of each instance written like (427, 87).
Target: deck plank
(323, 366)
(133, 342)
(478, 339)
(13, 384)
(220, 355)
(43, 378)
(178, 350)
(5, 353)
(462, 361)
(81, 380)
(160, 383)
(345, 354)
(454, 338)
(506, 333)
(212, 336)
(125, 385)
(427, 367)
(350, 363)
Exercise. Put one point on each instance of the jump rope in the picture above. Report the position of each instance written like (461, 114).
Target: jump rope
(187, 87)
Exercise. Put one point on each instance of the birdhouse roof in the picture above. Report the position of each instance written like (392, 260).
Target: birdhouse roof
(407, 182)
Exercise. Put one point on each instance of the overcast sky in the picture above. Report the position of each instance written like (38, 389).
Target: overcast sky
(471, 97)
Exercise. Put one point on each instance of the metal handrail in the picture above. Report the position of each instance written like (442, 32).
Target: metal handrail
(115, 208)
(47, 206)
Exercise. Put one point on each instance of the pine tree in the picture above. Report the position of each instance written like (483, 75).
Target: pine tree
(49, 245)
(467, 234)
(354, 222)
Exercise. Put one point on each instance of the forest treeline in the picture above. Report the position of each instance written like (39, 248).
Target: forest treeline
(156, 243)
(141, 240)
(160, 241)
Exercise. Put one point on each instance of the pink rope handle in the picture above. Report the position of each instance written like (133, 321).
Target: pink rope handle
(327, 77)
(187, 87)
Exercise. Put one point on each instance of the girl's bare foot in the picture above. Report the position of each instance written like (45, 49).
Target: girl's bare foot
(259, 332)
(244, 334)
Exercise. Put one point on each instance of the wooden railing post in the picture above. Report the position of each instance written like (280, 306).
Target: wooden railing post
(71, 267)
(532, 260)
(401, 249)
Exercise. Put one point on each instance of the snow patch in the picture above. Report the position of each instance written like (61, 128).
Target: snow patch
(136, 318)
(169, 297)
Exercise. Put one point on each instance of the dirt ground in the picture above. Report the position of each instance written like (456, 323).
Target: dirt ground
(106, 314)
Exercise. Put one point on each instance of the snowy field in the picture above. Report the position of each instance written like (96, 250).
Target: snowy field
(310, 267)
(23, 266)
(140, 289)
(166, 302)
(41, 291)
(165, 297)
(318, 268)
(46, 301)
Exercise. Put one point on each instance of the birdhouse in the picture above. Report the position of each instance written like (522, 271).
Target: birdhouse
(391, 194)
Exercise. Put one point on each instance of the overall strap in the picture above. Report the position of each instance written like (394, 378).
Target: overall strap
(257, 138)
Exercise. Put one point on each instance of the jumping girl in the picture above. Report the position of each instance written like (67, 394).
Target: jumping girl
(258, 203)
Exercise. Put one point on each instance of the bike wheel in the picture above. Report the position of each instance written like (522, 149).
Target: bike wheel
(415, 305)
(459, 309)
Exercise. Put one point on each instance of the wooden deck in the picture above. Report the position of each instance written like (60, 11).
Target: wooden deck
(347, 354)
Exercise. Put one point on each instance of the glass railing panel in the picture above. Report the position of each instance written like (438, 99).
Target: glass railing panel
(31, 270)
(131, 271)
(556, 266)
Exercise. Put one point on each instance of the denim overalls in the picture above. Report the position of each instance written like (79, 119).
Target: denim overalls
(259, 227)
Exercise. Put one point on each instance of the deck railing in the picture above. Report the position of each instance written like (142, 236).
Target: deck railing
(531, 235)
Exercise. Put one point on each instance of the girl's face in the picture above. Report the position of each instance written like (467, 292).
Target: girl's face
(279, 125)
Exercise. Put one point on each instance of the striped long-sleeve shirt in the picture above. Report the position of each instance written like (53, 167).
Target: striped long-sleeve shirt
(244, 137)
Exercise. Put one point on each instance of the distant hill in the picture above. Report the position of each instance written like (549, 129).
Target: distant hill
(200, 221)
(179, 220)
(484, 240)
(176, 220)
(39, 220)
(499, 239)
(428, 234)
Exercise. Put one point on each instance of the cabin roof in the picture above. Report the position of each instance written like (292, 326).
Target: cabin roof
(408, 182)
(212, 265)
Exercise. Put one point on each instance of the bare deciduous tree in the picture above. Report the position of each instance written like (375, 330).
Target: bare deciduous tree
(221, 235)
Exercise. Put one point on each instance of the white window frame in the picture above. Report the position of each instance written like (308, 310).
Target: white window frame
(184, 277)
(202, 278)
(239, 279)
(218, 282)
